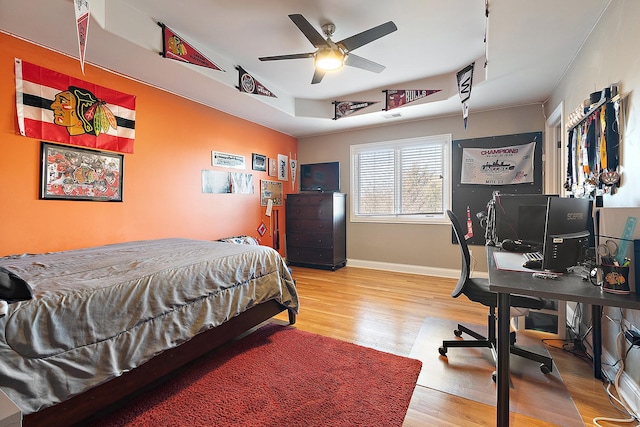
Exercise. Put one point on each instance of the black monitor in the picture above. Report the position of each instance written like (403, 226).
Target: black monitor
(521, 217)
(567, 233)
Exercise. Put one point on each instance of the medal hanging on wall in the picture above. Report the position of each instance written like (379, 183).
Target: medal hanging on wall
(609, 154)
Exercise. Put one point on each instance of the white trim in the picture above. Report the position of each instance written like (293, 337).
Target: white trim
(629, 389)
(444, 140)
(410, 269)
(553, 156)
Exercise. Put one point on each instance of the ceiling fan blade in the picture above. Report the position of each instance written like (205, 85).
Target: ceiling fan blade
(368, 36)
(317, 76)
(360, 62)
(307, 29)
(292, 56)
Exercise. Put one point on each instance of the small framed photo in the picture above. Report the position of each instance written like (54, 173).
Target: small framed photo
(259, 162)
(74, 173)
(273, 167)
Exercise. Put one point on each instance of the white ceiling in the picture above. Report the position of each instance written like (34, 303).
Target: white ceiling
(530, 44)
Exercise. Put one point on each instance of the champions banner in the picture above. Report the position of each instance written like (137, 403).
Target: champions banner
(55, 107)
(498, 166)
(174, 47)
(398, 98)
(246, 83)
(345, 108)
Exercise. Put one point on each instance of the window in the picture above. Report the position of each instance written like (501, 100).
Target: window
(401, 181)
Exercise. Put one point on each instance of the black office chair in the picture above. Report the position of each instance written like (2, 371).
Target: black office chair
(477, 290)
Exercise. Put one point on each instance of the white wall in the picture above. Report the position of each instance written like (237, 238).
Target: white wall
(411, 246)
(611, 55)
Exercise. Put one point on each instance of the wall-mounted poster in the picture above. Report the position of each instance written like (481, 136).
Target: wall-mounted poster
(283, 167)
(218, 182)
(270, 190)
(80, 174)
(227, 160)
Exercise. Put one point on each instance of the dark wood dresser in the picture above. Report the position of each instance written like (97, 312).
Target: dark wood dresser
(316, 230)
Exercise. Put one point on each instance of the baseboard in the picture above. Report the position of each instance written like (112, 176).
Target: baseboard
(410, 269)
(628, 387)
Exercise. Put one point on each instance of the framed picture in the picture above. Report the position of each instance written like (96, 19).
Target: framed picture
(283, 166)
(74, 173)
(273, 167)
(227, 160)
(270, 190)
(259, 162)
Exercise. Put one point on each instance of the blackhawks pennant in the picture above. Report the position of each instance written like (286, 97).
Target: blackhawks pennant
(82, 26)
(55, 107)
(398, 98)
(174, 47)
(246, 83)
(345, 108)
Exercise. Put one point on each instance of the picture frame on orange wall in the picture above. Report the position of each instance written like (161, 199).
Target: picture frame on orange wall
(273, 167)
(258, 162)
(73, 173)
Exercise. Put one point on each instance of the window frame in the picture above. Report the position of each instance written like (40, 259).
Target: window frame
(444, 140)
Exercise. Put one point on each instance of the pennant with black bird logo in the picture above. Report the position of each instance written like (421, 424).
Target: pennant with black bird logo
(174, 47)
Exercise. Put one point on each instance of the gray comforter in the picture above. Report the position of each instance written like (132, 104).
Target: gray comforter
(102, 311)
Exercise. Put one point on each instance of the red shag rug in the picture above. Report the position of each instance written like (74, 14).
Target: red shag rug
(280, 376)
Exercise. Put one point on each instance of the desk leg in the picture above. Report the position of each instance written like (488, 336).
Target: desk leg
(502, 372)
(596, 337)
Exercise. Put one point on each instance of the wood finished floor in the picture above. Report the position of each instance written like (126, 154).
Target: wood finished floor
(385, 310)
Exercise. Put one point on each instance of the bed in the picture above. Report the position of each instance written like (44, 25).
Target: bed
(107, 321)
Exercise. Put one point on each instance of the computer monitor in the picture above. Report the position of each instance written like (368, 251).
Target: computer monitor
(567, 233)
(521, 217)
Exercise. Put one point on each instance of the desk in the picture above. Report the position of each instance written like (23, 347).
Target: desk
(568, 287)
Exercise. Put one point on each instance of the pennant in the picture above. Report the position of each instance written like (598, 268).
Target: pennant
(398, 98)
(465, 79)
(55, 107)
(345, 108)
(82, 26)
(293, 163)
(246, 83)
(174, 47)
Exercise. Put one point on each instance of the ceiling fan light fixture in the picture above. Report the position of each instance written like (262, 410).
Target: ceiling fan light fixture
(329, 59)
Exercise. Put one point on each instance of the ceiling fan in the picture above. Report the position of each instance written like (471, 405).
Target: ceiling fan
(333, 55)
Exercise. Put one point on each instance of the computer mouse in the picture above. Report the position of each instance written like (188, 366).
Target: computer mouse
(533, 264)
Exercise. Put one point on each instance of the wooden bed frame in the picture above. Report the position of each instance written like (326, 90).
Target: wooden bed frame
(99, 399)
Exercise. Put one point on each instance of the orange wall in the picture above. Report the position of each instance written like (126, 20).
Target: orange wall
(162, 179)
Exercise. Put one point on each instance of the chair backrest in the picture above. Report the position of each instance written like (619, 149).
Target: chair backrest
(465, 271)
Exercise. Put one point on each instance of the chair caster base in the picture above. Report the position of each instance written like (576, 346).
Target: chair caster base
(442, 351)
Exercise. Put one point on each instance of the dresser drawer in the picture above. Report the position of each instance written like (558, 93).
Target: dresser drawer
(310, 255)
(309, 226)
(310, 212)
(311, 200)
(314, 240)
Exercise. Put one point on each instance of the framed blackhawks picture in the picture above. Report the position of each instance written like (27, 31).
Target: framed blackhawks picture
(73, 173)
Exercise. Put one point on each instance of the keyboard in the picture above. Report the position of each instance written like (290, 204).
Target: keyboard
(532, 256)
